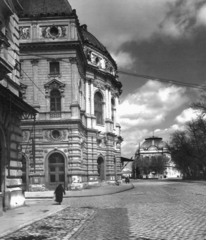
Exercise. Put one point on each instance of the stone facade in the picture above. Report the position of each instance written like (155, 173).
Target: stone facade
(12, 108)
(155, 147)
(71, 79)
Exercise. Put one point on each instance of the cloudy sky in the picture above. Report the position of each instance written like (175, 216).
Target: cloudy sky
(159, 38)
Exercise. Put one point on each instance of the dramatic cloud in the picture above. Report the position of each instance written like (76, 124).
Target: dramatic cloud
(186, 116)
(118, 22)
(183, 17)
(124, 60)
(158, 38)
(149, 106)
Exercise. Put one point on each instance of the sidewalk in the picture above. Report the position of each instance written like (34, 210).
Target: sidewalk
(14, 219)
(97, 191)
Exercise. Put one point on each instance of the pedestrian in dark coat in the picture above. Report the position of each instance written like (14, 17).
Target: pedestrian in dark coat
(59, 193)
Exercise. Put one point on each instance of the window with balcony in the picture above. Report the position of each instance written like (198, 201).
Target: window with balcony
(98, 108)
(55, 101)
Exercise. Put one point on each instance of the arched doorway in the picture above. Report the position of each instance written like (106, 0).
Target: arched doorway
(56, 170)
(100, 168)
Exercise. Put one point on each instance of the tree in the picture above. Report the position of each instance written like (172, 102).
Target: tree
(145, 165)
(188, 149)
(158, 164)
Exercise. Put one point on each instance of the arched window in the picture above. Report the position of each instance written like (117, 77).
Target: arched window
(55, 101)
(112, 109)
(98, 107)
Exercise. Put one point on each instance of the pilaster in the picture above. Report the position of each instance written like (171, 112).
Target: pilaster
(75, 108)
(34, 63)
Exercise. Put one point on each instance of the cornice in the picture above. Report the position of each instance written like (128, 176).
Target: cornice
(49, 45)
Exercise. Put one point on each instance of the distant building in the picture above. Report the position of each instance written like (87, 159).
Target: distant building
(12, 108)
(154, 147)
(72, 80)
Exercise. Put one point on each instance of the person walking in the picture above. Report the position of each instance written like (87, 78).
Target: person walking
(59, 193)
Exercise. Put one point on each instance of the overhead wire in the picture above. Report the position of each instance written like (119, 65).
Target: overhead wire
(168, 81)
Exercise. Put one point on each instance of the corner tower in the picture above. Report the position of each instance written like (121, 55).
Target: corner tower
(71, 79)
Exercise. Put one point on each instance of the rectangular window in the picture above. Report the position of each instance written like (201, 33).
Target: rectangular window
(61, 177)
(52, 169)
(52, 178)
(54, 68)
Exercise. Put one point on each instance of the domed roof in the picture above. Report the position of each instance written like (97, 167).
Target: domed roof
(91, 40)
(153, 142)
(39, 7)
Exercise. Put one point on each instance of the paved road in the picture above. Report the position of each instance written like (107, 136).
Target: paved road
(153, 210)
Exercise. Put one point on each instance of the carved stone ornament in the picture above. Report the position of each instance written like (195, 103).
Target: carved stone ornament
(119, 140)
(24, 33)
(54, 84)
(23, 88)
(114, 93)
(102, 139)
(82, 141)
(25, 136)
(50, 135)
(99, 61)
(53, 32)
(99, 85)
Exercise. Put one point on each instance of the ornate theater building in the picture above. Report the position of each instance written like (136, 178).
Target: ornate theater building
(70, 78)
(155, 147)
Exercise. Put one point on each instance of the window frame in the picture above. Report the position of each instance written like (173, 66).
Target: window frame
(56, 100)
(99, 110)
(54, 73)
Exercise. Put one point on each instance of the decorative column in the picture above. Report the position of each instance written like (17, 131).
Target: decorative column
(75, 108)
(34, 31)
(106, 105)
(92, 96)
(34, 63)
(87, 96)
(92, 103)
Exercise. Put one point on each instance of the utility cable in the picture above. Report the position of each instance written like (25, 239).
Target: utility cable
(168, 81)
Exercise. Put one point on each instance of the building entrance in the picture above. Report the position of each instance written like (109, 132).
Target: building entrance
(100, 168)
(24, 178)
(56, 170)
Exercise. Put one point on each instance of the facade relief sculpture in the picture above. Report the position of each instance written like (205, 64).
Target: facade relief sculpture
(99, 61)
(54, 84)
(23, 88)
(24, 33)
(53, 32)
(25, 136)
(102, 140)
(55, 135)
(99, 85)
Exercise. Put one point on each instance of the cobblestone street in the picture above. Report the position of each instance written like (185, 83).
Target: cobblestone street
(153, 210)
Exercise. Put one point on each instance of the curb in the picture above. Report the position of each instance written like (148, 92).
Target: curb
(92, 195)
(14, 229)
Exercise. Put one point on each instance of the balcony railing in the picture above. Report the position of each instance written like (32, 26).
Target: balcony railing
(55, 114)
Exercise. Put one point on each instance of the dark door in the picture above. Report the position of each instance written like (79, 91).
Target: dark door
(24, 173)
(56, 170)
(100, 168)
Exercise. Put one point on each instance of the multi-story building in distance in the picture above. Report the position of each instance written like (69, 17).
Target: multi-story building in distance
(155, 147)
